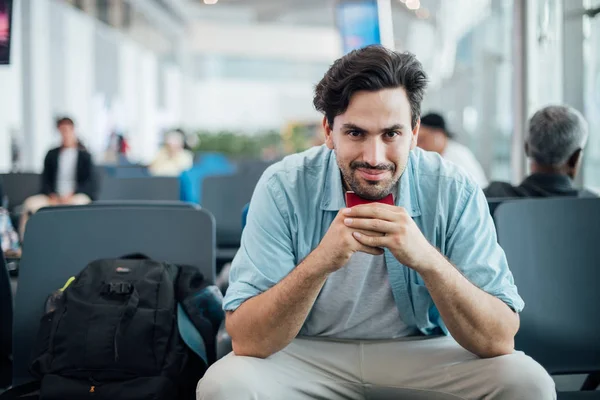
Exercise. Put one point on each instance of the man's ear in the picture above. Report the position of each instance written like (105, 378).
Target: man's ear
(575, 159)
(415, 135)
(328, 133)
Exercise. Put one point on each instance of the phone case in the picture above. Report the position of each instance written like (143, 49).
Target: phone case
(352, 199)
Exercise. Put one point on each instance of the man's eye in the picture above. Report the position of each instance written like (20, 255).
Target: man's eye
(391, 135)
(354, 133)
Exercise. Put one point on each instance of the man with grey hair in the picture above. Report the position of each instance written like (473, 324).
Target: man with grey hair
(554, 145)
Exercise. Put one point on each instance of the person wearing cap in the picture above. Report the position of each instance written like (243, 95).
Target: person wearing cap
(434, 136)
(554, 145)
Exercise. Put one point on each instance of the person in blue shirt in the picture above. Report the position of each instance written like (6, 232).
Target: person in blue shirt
(409, 301)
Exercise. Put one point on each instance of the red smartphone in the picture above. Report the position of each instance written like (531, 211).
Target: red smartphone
(352, 199)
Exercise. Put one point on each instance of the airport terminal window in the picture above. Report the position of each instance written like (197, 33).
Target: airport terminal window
(592, 98)
(478, 98)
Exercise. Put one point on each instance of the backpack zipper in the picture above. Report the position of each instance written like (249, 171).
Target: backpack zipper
(93, 386)
(116, 348)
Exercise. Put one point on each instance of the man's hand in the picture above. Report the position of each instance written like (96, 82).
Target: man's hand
(338, 244)
(66, 199)
(480, 322)
(399, 232)
(54, 200)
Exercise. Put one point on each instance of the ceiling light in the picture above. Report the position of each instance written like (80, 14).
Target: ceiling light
(413, 4)
(210, 1)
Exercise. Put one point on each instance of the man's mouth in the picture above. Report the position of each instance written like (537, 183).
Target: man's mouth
(372, 174)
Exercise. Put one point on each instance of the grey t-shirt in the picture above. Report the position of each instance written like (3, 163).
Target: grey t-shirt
(356, 302)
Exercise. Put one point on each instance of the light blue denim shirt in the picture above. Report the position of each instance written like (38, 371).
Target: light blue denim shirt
(297, 199)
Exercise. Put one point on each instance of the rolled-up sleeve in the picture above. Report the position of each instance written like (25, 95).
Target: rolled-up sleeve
(266, 253)
(473, 247)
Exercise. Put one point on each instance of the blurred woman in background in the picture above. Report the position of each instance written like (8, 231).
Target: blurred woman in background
(173, 158)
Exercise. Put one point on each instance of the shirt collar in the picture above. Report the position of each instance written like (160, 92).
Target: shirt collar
(333, 191)
(554, 182)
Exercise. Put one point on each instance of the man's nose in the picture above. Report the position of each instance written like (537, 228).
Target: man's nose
(374, 153)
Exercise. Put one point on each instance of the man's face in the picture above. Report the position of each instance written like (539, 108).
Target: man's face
(432, 139)
(372, 141)
(67, 133)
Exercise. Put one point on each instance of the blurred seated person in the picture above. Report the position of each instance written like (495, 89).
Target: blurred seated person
(116, 152)
(554, 145)
(173, 158)
(68, 177)
(433, 136)
(9, 240)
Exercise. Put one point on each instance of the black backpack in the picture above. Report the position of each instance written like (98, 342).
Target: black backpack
(113, 334)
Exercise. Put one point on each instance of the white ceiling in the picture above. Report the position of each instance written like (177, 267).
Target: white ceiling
(318, 13)
(294, 12)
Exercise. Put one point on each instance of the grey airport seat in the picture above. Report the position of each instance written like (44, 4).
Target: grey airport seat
(150, 188)
(224, 197)
(224, 345)
(553, 252)
(131, 171)
(494, 202)
(19, 186)
(125, 203)
(253, 167)
(6, 317)
(60, 242)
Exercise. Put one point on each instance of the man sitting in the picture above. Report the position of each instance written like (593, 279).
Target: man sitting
(68, 177)
(554, 145)
(413, 300)
(434, 136)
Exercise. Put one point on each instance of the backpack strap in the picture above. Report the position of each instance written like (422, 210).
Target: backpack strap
(190, 335)
(128, 311)
(202, 306)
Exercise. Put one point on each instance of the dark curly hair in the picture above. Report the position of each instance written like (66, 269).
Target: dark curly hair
(371, 68)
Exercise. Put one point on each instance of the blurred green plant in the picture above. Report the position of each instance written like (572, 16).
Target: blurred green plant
(239, 145)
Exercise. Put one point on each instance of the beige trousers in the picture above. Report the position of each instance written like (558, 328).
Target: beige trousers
(34, 203)
(424, 368)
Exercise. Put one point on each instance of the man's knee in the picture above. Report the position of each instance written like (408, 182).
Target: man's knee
(518, 376)
(80, 199)
(34, 203)
(231, 377)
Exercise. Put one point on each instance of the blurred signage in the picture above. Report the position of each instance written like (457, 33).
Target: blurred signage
(5, 29)
(358, 23)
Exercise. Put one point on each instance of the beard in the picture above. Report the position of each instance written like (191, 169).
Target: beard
(370, 190)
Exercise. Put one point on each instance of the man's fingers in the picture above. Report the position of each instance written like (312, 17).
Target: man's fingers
(369, 233)
(370, 241)
(372, 225)
(373, 210)
(376, 251)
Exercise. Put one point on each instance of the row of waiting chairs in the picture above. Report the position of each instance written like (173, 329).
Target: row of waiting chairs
(19, 186)
(221, 195)
(551, 246)
(61, 241)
